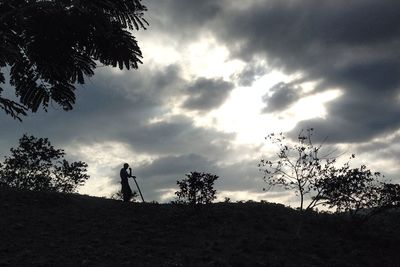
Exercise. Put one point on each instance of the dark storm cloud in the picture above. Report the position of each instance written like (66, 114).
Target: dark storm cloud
(293, 33)
(382, 145)
(243, 175)
(106, 105)
(355, 119)
(181, 19)
(251, 72)
(280, 97)
(118, 107)
(176, 165)
(207, 94)
(352, 45)
(179, 135)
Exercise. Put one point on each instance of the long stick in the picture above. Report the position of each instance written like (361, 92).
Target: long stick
(140, 192)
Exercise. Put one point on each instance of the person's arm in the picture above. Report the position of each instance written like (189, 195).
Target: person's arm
(130, 173)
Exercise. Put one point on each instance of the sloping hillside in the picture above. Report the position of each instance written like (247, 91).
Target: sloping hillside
(50, 229)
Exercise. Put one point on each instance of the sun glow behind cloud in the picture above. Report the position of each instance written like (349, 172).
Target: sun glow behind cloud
(241, 113)
(206, 58)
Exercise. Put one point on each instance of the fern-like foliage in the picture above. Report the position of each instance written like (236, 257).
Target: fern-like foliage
(52, 45)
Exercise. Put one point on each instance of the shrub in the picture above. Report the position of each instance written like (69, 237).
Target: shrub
(196, 188)
(359, 192)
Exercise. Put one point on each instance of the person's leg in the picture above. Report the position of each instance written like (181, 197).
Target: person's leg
(126, 192)
(125, 197)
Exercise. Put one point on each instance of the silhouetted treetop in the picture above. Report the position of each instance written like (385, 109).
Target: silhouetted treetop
(301, 168)
(196, 188)
(52, 45)
(36, 165)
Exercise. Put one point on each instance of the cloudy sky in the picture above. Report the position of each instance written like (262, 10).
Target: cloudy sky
(218, 76)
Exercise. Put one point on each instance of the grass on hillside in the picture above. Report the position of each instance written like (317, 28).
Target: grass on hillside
(52, 229)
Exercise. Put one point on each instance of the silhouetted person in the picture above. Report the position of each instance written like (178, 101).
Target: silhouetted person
(126, 189)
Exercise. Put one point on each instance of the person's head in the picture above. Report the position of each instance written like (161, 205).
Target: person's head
(126, 165)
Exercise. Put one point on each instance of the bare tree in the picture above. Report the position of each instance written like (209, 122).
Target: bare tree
(298, 167)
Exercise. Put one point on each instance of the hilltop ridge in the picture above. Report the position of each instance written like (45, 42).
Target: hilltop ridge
(53, 229)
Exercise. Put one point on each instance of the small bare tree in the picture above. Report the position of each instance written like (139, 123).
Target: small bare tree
(298, 167)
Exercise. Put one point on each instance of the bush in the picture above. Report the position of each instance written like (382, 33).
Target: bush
(196, 188)
(359, 192)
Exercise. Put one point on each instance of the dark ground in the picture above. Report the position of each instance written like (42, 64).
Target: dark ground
(50, 229)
